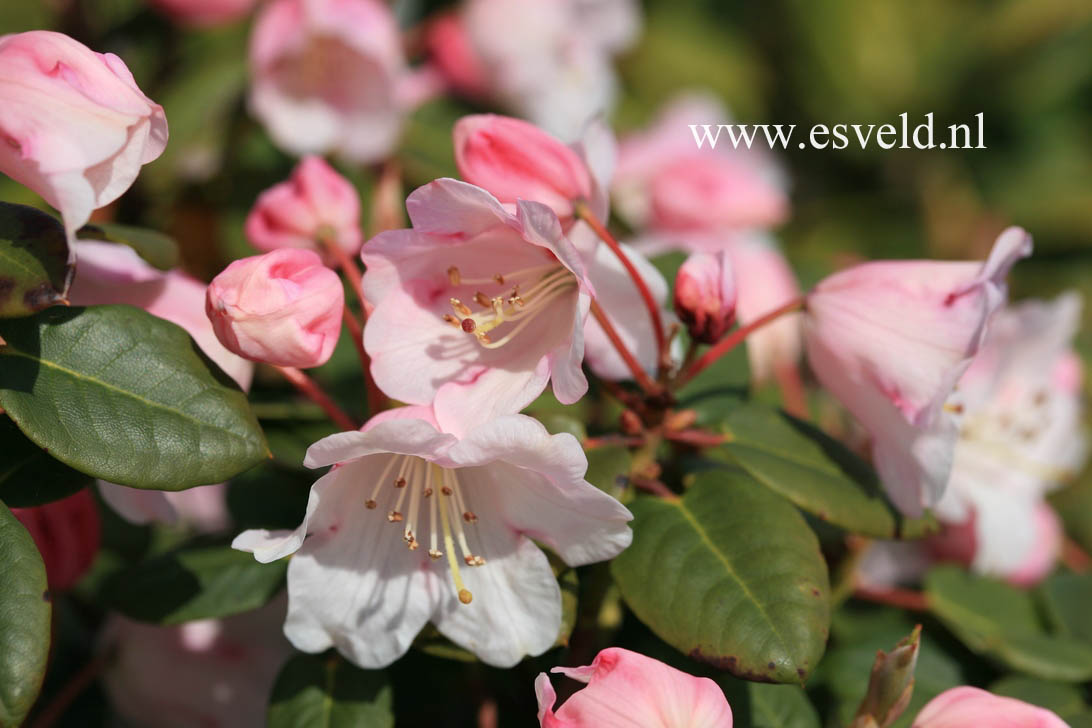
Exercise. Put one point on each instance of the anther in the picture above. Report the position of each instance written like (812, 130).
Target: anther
(460, 307)
(482, 300)
(454, 276)
(446, 490)
(370, 504)
(453, 320)
(498, 278)
(465, 596)
(428, 492)
(394, 517)
(468, 325)
(400, 482)
(469, 517)
(483, 337)
(435, 555)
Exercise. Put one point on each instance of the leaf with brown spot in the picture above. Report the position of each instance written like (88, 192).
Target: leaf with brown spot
(34, 266)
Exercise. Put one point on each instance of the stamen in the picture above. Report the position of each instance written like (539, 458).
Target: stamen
(460, 307)
(454, 276)
(483, 300)
(453, 321)
(371, 502)
(468, 325)
(464, 594)
(498, 278)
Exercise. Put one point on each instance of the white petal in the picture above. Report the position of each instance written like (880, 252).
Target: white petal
(138, 506)
(404, 436)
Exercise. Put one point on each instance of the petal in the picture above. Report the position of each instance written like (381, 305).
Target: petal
(627, 689)
(449, 207)
(967, 706)
(353, 584)
(138, 506)
(404, 436)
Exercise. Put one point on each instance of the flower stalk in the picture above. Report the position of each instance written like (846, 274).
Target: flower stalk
(310, 389)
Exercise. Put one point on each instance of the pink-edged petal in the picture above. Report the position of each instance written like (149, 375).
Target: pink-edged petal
(394, 435)
(547, 697)
(965, 706)
(487, 394)
(566, 371)
(626, 689)
(449, 207)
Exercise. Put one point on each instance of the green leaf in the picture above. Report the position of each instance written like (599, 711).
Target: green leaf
(1065, 700)
(159, 249)
(608, 467)
(34, 268)
(24, 621)
(780, 706)
(1067, 603)
(1074, 505)
(814, 471)
(729, 574)
(1000, 621)
(119, 394)
(28, 475)
(325, 691)
(195, 581)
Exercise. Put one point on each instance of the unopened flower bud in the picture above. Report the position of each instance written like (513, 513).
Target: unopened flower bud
(282, 308)
(315, 203)
(514, 160)
(705, 296)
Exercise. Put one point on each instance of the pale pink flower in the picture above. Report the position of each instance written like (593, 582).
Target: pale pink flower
(74, 126)
(476, 309)
(283, 308)
(549, 62)
(214, 673)
(113, 273)
(67, 533)
(315, 204)
(665, 183)
(765, 281)
(413, 525)
(967, 707)
(627, 689)
(1021, 435)
(514, 160)
(891, 339)
(705, 295)
(204, 13)
(327, 77)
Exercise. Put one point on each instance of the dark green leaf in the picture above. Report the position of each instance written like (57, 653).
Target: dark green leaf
(1067, 602)
(608, 467)
(1074, 505)
(24, 621)
(153, 246)
(1000, 621)
(814, 471)
(193, 582)
(729, 574)
(119, 394)
(781, 706)
(34, 269)
(28, 475)
(325, 691)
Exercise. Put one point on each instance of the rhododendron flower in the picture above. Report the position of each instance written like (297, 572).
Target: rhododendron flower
(327, 76)
(628, 689)
(476, 309)
(547, 61)
(284, 308)
(765, 282)
(666, 183)
(413, 525)
(1021, 435)
(214, 673)
(204, 13)
(314, 205)
(967, 707)
(891, 339)
(74, 126)
(705, 295)
(67, 533)
(114, 273)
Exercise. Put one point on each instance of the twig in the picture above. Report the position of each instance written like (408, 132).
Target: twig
(68, 693)
(312, 391)
(640, 376)
(1074, 557)
(915, 601)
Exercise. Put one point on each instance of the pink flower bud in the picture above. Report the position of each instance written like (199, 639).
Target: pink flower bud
(67, 534)
(705, 295)
(283, 308)
(451, 49)
(74, 127)
(204, 13)
(315, 203)
(514, 160)
(967, 707)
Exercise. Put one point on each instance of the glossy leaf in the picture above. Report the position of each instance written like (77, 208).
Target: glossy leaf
(24, 621)
(28, 475)
(814, 471)
(729, 574)
(1065, 700)
(34, 267)
(780, 706)
(159, 249)
(193, 582)
(1001, 622)
(1067, 602)
(119, 394)
(325, 691)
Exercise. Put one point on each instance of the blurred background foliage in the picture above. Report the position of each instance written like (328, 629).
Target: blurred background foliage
(1025, 64)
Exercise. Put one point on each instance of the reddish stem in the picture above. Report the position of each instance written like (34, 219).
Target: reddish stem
(639, 375)
(733, 340)
(697, 438)
(915, 601)
(69, 692)
(312, 391)
(653, 486)
(593, 443)
(585, 214)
